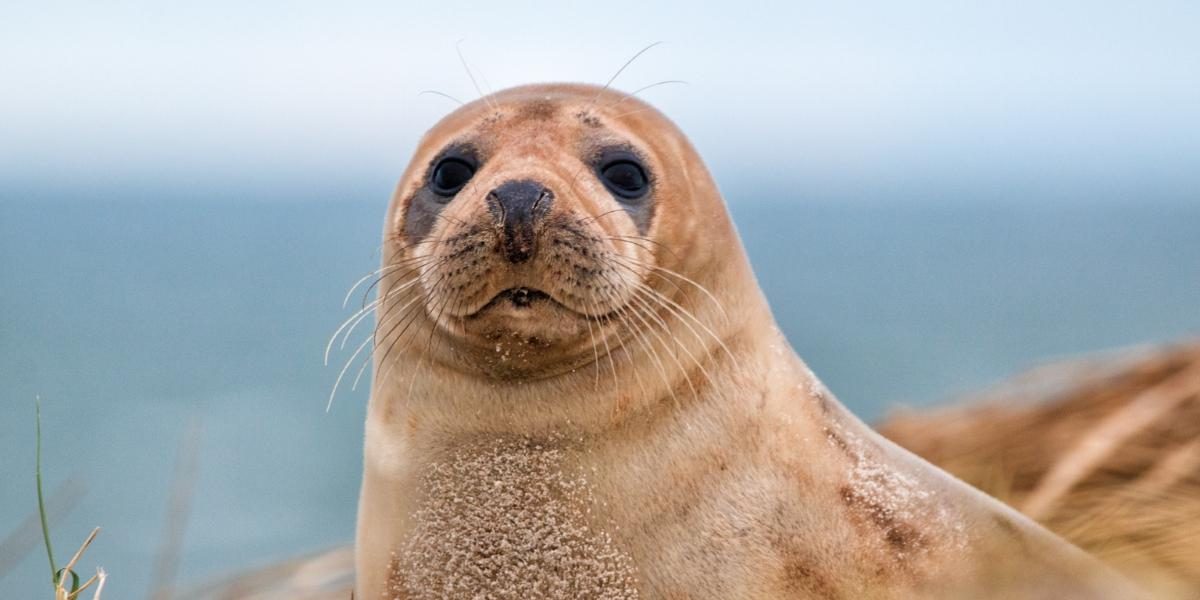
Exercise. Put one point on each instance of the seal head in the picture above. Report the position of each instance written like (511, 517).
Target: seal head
(526, 228)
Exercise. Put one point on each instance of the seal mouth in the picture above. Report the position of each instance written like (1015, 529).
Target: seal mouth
(530, 305)
(520, 297)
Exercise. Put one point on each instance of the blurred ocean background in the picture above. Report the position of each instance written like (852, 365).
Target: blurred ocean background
(933, 196)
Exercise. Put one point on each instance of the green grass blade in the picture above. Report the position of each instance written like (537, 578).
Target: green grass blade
(41, 497)
(74, 580)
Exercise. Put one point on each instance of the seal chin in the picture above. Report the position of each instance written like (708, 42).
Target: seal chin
(522, 333)
(527, 315)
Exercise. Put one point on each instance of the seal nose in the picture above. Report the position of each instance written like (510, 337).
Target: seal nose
(518, 207)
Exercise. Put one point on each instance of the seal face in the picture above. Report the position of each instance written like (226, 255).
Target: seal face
(579, 391)
(528, 230)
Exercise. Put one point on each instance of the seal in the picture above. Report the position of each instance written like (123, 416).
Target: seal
(579, 391)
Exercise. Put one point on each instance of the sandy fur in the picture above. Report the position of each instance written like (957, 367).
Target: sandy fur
(696, 464)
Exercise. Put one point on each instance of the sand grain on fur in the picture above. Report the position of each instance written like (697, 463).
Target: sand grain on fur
(507, 519)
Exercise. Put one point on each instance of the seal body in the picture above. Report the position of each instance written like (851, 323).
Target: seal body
(580, 392)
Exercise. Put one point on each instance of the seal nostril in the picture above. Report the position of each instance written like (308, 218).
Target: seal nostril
(538, 204)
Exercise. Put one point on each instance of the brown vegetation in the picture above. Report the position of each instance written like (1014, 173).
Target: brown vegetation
(1105, 452)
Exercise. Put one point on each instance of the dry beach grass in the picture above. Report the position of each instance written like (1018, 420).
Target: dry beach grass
(1105, 452)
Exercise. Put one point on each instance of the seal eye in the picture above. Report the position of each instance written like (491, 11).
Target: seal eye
(625, 178)
(450, 175)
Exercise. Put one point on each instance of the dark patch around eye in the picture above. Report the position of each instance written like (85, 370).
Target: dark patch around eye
(458, 160)
(627, 176)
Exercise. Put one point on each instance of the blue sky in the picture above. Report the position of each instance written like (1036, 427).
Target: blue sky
(1059, 97)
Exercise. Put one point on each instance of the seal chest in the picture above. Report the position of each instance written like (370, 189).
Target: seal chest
(508, 518)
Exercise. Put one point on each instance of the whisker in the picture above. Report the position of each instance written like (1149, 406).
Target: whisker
(649, 293)
(634, 93)
(378, 271)
(621, 324)
(411, 318)
(467, 68)
(637, 240)
(434, 344)
(433, 329)
(412, 261)
(412, 281)
(628, 263)
(383, 318)
(597, 217)
(683, 312)
(622, 69)
(406, 318)
(648, 347)
(368, 357)
(595, 351)
(487, 85)
(442, 94)
(648, 311)
(404, 312)
(342, 373)
(631, 242)
(415, 262)
(634, 112)
(682, 277)
(405, 245)
(357, 315)
(363, 369)
(366, 361)
(353, 320)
